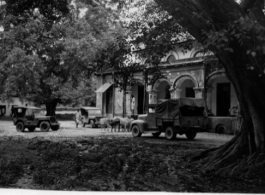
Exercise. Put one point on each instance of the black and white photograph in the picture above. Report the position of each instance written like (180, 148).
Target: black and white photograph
(132, 96)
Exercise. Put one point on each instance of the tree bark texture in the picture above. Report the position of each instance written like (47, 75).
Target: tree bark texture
(51, 107)
(245, 71)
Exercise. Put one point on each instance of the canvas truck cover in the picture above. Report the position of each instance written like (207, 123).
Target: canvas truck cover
(168, 108)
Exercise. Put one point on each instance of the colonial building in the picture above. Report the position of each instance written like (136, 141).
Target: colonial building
(186, 74)
(6, 106)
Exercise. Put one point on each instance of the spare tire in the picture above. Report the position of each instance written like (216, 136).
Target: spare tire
(45, 126)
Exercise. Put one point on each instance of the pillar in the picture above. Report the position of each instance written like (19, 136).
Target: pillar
(175, 92)
(152, 94)
(198, 92)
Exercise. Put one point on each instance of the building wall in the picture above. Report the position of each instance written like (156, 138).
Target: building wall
(14, 101)
(182, 73)
(118, 102)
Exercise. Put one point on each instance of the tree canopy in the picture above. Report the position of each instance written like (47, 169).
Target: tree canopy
(49, 48)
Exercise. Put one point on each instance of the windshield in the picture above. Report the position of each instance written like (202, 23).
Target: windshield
(95, 112)
(35, 112)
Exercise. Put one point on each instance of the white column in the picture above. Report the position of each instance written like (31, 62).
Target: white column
(152, 95)
(198, 92)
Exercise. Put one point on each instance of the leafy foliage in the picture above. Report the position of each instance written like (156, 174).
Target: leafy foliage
(50, 47)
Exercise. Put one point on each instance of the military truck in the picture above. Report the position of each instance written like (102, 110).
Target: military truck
(91, 115)
(30, 117)
(181, 116)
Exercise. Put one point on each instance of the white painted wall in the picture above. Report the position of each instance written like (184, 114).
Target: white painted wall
(15, 101)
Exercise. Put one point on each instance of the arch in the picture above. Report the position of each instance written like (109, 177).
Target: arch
(158, 81)
(138, 81)
(179, 80)
(171, 53)
(171, 59)
(200, 53)
(210, 79)
(162, 86)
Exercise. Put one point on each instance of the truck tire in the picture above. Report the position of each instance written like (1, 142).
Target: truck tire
(191, 135)
(31, 129)
(20, 127)
(156, 134)
(170, 133)
(45, 126)
(136, 131)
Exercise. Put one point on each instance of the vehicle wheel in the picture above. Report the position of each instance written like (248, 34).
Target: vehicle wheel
(156, 134)
(55, 128)
(45, 126)
(191, 135)
(136, 131)
(20, 127)
(31, 129)
(170, 133)
(220, 129)
(92, 123)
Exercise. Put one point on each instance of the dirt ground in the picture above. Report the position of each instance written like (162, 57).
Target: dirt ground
(85, 159)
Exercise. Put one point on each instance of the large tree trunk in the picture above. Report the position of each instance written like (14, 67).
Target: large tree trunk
(51, 107)
(245, 71)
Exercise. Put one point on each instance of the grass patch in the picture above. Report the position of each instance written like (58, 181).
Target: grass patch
(116, 164)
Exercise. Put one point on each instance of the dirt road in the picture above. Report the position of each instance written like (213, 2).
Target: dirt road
(68, 130)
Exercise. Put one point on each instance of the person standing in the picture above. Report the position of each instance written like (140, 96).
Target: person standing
(132, 104)
(78, 118)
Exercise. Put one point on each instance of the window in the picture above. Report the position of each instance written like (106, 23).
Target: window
(171, 59)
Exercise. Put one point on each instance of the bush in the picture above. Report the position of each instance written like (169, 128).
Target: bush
(10, 171)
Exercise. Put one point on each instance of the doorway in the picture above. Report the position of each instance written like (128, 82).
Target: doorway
(223, 94)
(140, 99)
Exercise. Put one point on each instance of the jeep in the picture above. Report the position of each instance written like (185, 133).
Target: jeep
(29, 117)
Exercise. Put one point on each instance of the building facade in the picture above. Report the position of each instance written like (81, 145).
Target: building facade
(186, 74)
(6, 106)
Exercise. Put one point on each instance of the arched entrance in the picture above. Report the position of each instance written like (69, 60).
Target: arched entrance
(220, 94)
(184, 86)
(162, 87)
